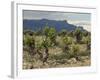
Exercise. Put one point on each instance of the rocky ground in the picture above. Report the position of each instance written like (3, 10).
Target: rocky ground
(84, 61)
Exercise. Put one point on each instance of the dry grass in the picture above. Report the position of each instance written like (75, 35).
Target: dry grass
(56, 58)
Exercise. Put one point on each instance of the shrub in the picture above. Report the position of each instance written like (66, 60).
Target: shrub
(78, 34)
(50, 34)
(74, 51)
(66, 43)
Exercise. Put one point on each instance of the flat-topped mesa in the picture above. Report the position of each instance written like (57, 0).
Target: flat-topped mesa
(41, 23)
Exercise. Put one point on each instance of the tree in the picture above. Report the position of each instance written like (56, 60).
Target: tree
(85, 33)
(46, 30)
(75, 51)
(88, 42)
(78, 35)
(66, 41)
(29, 42)
(49, 40)
(71, 33)
(50, 34)
(45, 54)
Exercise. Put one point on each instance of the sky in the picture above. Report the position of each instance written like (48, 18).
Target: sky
(78, 19)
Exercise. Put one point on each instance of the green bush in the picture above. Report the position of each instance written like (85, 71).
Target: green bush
(67, 41)
(78, 35)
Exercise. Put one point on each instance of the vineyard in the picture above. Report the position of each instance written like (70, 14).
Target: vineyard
(49, 48)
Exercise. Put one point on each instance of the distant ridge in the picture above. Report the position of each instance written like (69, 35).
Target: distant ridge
(40, 24)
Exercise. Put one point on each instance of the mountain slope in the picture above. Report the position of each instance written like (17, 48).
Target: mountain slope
(40, 24)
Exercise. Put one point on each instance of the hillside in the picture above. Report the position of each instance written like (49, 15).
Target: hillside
(40, 24)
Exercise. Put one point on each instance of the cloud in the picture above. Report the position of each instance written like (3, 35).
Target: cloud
(85, 24)
(29, 14)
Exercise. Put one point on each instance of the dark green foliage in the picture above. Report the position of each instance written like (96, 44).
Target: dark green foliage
(66, 41)
(78, 35)
(88, 42)
(86, 33)
(29, 41)
(63, 32)
(75, 50)
(28, 32)
(71, 33)
(50, 34)
(45, 43)
(46, 31)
